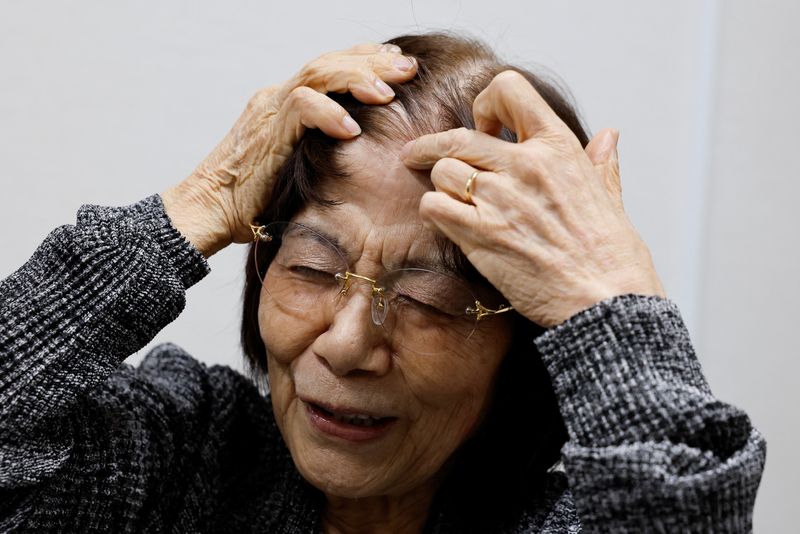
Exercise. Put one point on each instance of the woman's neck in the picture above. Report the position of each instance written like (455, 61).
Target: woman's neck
(405, 514)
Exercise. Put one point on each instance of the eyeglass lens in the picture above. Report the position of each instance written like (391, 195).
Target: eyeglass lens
(421, 310)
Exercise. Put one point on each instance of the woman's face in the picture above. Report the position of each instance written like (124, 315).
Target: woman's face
(342, 362)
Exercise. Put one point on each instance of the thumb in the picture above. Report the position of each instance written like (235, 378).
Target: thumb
(602, 152)
(602, 144)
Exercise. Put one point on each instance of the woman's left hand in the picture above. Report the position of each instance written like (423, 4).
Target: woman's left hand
(546, 225)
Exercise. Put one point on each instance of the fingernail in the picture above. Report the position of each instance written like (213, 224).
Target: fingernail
(403, 63)
(614, 136)
(351, 125)
(607, 145)
(394, 49)
(616, 143)
(406, 149)
(383, 88)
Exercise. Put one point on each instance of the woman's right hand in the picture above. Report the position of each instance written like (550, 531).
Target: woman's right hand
(215, 204)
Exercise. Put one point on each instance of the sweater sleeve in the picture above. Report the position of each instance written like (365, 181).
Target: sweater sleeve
(92, 294)
(650, 448)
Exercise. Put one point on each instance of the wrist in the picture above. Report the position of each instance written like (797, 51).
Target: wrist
(644, 283)
(196, 221)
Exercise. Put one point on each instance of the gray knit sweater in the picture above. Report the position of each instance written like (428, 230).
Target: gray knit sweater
(90, 444)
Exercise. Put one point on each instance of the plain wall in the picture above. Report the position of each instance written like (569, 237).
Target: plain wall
(750, 291)
(107, 103)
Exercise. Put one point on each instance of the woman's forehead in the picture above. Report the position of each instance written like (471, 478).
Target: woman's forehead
(375, 214)
(375, 175)
(402, 242)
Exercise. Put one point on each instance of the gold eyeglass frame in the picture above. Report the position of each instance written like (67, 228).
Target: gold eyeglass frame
(479, 311)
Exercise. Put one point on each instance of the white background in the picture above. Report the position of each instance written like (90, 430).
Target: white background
(108, 102)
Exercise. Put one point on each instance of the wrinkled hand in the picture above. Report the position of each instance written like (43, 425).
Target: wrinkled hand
(215, 204)
(546, 225)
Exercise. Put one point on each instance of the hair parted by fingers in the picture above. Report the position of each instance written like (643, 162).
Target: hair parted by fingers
(452, 71)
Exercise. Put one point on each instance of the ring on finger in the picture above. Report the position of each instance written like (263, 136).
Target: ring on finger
(470, 186)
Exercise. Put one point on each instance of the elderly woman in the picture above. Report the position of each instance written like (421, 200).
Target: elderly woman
(459, 328)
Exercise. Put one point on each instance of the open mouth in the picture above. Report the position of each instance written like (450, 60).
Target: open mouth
(352, 427)
(352, 419)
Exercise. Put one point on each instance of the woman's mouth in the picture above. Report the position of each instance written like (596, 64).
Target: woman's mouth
(347, 424)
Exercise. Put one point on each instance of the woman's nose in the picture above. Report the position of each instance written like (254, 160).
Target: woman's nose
(353, 344)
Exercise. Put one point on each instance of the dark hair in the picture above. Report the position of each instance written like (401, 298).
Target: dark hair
(520, 439)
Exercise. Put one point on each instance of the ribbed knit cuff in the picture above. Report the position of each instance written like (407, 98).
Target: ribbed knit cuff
(148, 215)
(624, 370)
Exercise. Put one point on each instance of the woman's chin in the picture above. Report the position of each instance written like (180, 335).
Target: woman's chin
(340, 478)
(343, 468)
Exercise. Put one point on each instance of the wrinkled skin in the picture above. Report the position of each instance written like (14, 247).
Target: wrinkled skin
(215, 204)
(344, 359)
(545, 226)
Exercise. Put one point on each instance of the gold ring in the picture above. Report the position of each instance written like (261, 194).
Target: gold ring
(468, 188)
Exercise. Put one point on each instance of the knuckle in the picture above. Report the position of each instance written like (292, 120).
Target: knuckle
(438, 175)
(301, 95)
(433, 207)
(427, 205)
(260, 94)
(441, 167)
(255, 101)
(373, 62)
(314, 71)
(508, 79)
(300, 98)
(459, 139)
(479, 104)
(366, 48)
(364, 75)
(260, 98)
(530, 165)
(390, 48)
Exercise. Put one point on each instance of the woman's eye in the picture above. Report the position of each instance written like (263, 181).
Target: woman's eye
(311, 273)
(423, 307)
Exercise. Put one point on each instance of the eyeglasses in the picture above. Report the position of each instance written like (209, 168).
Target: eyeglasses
(422, 310)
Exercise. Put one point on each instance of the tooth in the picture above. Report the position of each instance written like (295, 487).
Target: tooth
(356, 419)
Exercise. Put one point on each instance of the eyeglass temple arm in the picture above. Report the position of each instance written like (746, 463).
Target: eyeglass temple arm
(480, 311)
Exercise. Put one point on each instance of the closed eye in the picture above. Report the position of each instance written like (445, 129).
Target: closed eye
(405, 300)
(310, 273)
